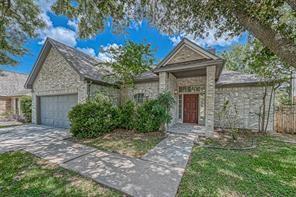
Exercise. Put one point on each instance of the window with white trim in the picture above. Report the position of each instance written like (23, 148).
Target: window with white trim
(139, 98)
(180, 106)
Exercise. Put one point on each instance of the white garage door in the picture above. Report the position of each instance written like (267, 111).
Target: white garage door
(54, 110)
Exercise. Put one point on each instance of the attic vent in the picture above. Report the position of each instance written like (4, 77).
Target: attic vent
(212, 50)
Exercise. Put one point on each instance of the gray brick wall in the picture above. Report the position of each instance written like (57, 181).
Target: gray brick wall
(149, 89)
(210, 98)
(248, 101)
(111, 92)
(56, 77)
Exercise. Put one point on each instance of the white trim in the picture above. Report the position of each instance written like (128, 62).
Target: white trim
(190, 47)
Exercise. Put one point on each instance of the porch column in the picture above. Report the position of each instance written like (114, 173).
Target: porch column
(210, 98)
(34, 110)
(163, 82)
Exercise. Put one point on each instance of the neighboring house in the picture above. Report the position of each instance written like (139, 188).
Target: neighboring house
(11, 89)
(64, 76)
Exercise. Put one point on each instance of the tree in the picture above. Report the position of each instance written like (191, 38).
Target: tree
(270, 21)
(129, 61)
(257, 59)
(19, 19)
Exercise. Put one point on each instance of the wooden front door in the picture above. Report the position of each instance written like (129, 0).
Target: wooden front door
(190, 108)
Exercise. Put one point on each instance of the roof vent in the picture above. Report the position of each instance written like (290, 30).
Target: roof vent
(212, 50)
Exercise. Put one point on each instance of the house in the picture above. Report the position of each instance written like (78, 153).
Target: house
(64, 76)
(11, 89)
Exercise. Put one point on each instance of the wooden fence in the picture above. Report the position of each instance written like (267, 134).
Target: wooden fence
(285, 119)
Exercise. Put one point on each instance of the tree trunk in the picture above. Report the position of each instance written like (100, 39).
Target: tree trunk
(269, 107)
(263, 110)
(283, 47)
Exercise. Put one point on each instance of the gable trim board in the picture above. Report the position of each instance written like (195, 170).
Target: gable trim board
(191, 45)
(200, 63)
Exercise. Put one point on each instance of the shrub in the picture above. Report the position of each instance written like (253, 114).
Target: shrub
(26, 108)
(150, 116)
(92, 118)
(125, 115)
(166, 100)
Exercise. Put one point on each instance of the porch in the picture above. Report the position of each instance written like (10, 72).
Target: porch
(190, 72)
(187, 128)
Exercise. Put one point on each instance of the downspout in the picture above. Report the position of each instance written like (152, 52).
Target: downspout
(89, 83)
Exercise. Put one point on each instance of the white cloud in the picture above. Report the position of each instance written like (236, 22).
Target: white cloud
(89, 51)
(73, 24)
(209, 39)
(45, 5)
(62, 34)
(104, 55)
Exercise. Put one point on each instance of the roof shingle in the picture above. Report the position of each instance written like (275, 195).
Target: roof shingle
(85, 65)
(12, 84)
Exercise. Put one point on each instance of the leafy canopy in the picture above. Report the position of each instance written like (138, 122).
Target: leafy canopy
(129, 61)
(19, 20)
(270, 21)
(254, 58)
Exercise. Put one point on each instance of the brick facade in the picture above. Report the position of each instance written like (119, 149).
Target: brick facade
(210, 98)
(57, 77)
(248, 101)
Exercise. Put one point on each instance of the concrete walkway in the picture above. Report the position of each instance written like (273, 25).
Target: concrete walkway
(158, 173)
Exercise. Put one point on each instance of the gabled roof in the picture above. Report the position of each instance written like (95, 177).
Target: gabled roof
(201, 52)
(227, 78)
(12, 84)
(85, 65)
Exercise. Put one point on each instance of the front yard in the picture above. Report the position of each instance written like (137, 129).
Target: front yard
(22, 174)
(268, 170)
(126, 142)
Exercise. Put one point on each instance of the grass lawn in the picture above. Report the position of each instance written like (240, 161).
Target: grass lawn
(22, 174)
(125, 142)
(268, 170)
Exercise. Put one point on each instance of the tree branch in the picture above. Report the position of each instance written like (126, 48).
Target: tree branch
(292, 3)
(284, 48)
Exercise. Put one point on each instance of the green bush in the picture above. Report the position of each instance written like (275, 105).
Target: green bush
(150, 116)
(26, 107)
(92, 118)
(125, 115)
(98, 116)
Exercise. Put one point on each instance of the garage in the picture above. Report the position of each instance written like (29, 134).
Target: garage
(54, 110)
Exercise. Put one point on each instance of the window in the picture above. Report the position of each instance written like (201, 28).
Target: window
(139, 98)
(180, 106)
(191, 89)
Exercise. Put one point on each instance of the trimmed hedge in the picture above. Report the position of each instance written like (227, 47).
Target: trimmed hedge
(150, 116)
(99, 116)
(125, 115)
(92, 119)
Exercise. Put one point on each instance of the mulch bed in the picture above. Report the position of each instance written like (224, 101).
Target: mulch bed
(245, 140)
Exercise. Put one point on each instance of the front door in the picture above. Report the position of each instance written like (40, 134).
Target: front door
(190, 108)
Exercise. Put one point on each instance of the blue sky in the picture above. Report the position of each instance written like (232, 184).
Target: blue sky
(65, 30)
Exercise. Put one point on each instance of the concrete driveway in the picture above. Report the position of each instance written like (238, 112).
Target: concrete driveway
(158, 173)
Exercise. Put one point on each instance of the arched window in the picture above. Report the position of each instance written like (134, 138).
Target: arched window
(139, 98)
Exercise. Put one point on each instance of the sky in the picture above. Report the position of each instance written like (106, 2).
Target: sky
(64, 30)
